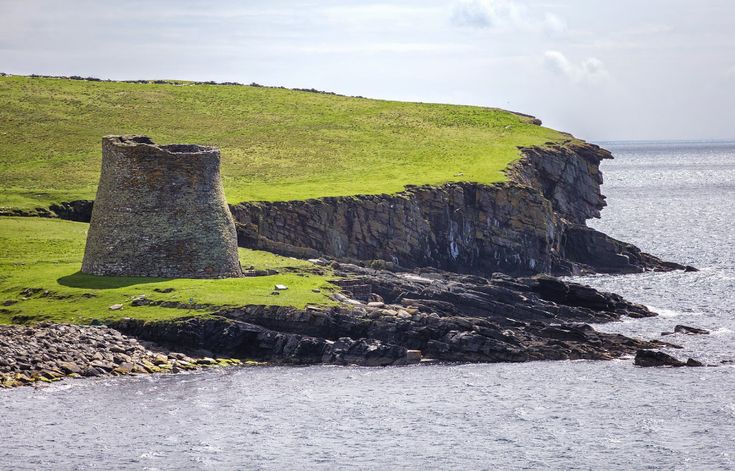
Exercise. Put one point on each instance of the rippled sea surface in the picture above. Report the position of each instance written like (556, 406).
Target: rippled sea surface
(674, 200)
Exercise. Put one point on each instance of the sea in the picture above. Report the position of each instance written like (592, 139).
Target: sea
(673, 199)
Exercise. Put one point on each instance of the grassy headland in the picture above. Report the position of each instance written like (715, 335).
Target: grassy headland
(277, 144)
(40, 280)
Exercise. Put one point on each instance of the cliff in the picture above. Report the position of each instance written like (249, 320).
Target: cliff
(534, 223)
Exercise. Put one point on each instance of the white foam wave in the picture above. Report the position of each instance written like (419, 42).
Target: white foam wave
(667, 313)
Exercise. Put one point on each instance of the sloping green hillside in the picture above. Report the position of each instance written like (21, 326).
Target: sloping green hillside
(277, 144)
(40, 280)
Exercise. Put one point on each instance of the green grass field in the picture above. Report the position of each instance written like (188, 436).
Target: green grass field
(276, 144)
(46, 254)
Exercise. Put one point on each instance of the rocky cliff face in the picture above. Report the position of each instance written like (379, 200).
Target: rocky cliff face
(457, 227)
(532, 224)
(569, 176)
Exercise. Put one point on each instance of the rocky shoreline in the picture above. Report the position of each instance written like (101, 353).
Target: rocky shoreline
(382, 318)
(45, 353)
(387, 318)
(454, 273)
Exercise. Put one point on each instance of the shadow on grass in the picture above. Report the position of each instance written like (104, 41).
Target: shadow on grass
(82, 280)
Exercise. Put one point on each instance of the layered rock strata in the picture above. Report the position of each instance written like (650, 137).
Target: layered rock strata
(398, 318)
(532, 224)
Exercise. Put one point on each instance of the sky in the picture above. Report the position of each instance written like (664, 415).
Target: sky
(600, 69)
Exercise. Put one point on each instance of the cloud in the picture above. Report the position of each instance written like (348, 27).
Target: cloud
(485, 13)
(507, 15)
(554, 24)
(384, 47)
(591, 69)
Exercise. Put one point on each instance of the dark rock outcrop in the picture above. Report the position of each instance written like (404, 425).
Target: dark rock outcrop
(685, 329)
(461, 227)
(427, 314)
(651, 358)
(567, 175)
(656, 359)
(532, 224)
(78, 210)
(535, 223)
(235, 338)
(590, 250)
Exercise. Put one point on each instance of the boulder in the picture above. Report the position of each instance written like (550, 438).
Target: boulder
(651, 358)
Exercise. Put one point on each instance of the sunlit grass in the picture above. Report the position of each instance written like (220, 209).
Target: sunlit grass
(45, 255)
(276, 144)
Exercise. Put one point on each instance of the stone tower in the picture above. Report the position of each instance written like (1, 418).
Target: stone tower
(160, 211)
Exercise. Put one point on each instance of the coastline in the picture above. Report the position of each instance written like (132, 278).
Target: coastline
(458, 272)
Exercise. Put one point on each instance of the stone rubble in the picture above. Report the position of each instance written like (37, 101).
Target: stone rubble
(45, 353)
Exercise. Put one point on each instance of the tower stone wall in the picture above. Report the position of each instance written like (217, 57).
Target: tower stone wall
(160, 211)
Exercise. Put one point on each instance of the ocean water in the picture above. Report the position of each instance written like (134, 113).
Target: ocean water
(676, 200)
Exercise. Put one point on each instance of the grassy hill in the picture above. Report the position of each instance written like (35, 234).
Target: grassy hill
(277, 144)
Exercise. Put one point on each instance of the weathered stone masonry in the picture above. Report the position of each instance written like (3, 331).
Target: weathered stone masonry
(160, 211)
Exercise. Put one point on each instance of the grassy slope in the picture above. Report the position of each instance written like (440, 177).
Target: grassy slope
(46, 254)
(276, 144)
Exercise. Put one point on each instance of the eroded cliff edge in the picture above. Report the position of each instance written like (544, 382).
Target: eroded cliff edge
(534, 223)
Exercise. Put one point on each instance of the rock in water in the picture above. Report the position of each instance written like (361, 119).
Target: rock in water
(685, 329)
(651, 358)
(160, 211)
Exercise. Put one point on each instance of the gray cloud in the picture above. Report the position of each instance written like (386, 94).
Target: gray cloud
(505, 15)
(591, 69)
